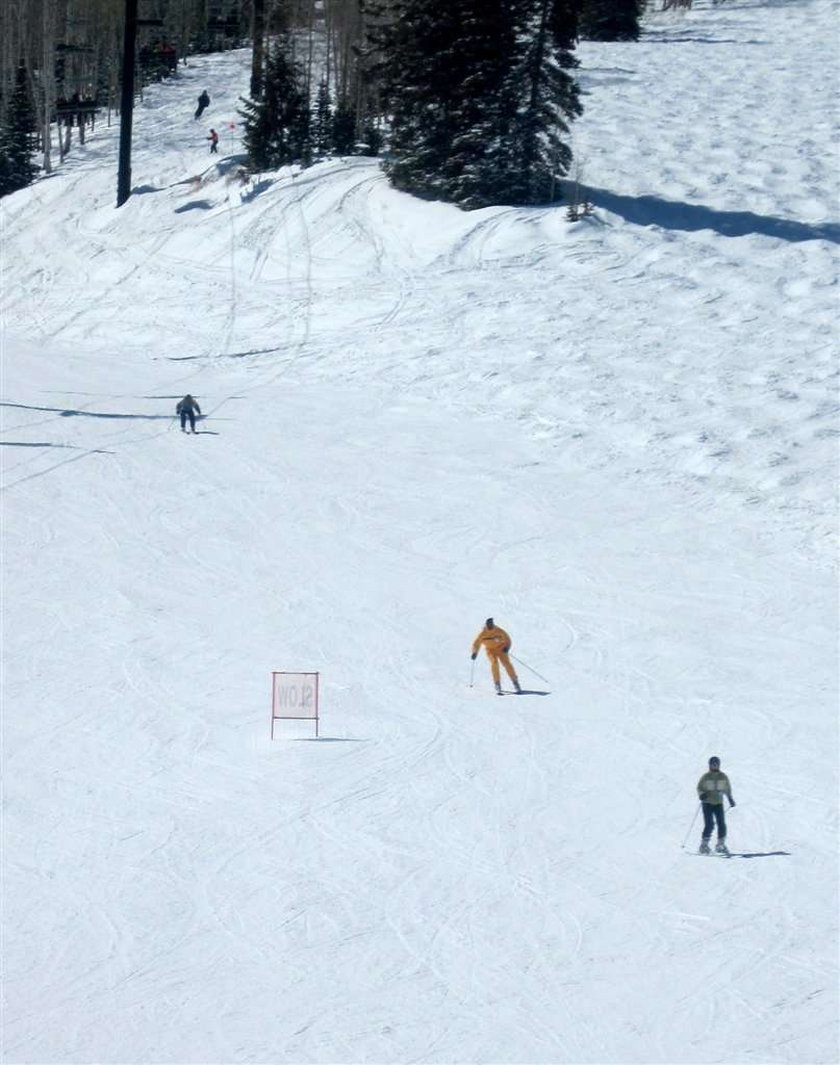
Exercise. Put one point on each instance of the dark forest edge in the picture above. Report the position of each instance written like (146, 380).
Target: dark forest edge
(468, 103)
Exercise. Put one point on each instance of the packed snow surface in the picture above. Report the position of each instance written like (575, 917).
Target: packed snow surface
(617, 436)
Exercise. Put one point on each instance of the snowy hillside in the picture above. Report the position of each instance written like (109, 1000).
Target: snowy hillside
(618, 437)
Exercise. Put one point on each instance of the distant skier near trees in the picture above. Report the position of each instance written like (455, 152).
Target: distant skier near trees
(214, 142)
(188, 408)
(496, 643)
(203, 104)
(711, 788)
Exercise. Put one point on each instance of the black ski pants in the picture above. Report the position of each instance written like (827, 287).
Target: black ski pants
(188, 414)
(713, 811)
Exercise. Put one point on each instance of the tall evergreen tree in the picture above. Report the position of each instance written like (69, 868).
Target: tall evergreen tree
(518, 151)
(414, 41)
(611, 20)
(548, 97)
(277, 125)
(322, 120)
(17, 131)
(479, 95)
(482, 114)
(344, 127)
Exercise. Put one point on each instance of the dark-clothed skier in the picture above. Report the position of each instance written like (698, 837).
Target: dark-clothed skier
(188, 408)
(214, 141)
(203, 104)
(496, 643)
(711, 788)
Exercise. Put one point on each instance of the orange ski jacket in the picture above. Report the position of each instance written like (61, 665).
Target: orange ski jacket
(495, 641)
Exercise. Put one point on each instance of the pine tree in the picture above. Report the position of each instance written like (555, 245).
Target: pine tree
(549, 97)
(322, 121)
(344, 128)
(370, 138)
(483, 116)
(479, 95)
(611, 20)
(277, 125)
(416, 71)
(17, 168)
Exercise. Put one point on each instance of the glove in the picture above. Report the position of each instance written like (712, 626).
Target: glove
(702, 796)
(731, 803)
(505, 649)
(474, 655)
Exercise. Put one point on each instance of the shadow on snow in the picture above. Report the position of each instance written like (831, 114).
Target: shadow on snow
(196, 205)
(88, 414)
(670, 214)
(35, 443)
(758, 854)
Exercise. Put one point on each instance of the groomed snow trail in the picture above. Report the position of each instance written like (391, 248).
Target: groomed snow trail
(615, 437)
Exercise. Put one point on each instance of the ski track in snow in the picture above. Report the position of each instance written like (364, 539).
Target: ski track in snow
(617, 436)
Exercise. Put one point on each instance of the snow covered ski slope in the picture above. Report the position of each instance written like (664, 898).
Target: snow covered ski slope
(618, 437)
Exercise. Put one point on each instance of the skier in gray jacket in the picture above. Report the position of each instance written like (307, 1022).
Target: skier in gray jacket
(711, 788)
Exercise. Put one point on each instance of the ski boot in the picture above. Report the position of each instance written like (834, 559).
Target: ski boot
(704, 847)
(498, 687)
(517, 688)
(721, 848)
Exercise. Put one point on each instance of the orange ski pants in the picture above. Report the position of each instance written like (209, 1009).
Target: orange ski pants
(495, 658)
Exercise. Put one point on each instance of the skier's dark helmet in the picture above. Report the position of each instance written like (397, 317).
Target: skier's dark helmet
(714, 762)
(489, 623)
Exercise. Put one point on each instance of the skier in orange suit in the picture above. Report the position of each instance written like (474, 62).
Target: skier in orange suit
(497, 644)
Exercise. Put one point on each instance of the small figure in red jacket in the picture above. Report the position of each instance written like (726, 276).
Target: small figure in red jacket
(214, 141)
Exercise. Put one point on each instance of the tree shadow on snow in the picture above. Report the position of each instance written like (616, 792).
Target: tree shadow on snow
(684, 37)
(37, 443)
(87, 413)
(250, 351)
(224, 355)
(196, 205)
(671, 214)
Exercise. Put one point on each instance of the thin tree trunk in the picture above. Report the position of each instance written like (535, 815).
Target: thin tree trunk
(258, 55)
(47, 83)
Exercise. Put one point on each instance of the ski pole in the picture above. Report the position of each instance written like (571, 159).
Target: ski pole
(525, 664)
(472, 672)
(691, 826)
